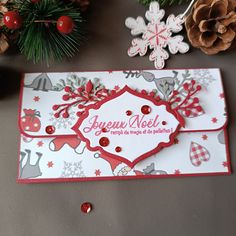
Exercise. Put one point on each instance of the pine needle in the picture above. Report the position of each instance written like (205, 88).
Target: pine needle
(42, 42)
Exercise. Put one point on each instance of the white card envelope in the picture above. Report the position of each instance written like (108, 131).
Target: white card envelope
(122, 124)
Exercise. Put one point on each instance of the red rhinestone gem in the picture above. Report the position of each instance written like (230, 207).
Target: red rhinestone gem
(104, 141)
(86, 207)
(104, 130)
(164, 122)
(118, 149)
(128, 113)
(50, 129)
(146, 109)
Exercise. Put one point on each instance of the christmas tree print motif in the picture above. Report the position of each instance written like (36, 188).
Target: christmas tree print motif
(72, 170)
(198, 154)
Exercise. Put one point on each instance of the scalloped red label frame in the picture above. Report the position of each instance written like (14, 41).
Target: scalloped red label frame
(118, 156)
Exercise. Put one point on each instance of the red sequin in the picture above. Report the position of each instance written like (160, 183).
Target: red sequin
(164, 122)
(118, 149)
(146, 109)
(50, 129)
(86, 207)
(104, 141)
(128, 113)
(104, 130)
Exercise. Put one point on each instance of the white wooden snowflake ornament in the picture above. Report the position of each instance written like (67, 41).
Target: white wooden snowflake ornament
(156, 35)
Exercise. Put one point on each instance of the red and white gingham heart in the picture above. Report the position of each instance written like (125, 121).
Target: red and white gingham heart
(198, 154)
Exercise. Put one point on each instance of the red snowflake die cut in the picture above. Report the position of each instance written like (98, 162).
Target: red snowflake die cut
(214, 120)
(36, 98)
(50, 164)
(40, 143)
(97, 172)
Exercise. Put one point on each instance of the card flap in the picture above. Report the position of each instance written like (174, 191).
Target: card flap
(41, 92)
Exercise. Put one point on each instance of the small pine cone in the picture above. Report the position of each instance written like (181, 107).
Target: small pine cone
(211, 25)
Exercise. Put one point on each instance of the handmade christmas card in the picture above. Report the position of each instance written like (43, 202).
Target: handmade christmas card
(122, 124)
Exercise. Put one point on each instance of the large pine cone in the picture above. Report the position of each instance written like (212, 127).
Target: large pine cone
(211, 25)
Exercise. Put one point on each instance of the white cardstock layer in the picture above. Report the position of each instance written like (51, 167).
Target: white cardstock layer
(201, 149)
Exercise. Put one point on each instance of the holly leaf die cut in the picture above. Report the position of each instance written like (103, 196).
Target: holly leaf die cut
(127, 132)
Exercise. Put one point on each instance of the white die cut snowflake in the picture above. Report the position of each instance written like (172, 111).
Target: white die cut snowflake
(156, 35)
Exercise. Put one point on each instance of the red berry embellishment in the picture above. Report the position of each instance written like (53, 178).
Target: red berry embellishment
(55, 107)
(65, 97)
(146, 109)
(118, 149)
(56, 115)
(12, 20)
(65, 115)
(187, 113)
(67, 89)
(104, 141)
(65, 24)
(199, 87)
(86, 207)
(199, 108)
(175, 92)
(164, 122)
(186, 86)
(50, 129)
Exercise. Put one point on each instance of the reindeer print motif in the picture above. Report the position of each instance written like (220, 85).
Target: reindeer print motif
(28, 170)
(42, 83)
(164, 84)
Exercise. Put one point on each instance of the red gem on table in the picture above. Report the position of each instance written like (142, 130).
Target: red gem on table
(86, 207)
(12, 20)
(146, 109)
(118, 149)
(65, 24)
(104, 141)
(50, 129)
(164, 122)
(128, 113)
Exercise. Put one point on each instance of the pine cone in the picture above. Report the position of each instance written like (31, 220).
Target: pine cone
(211, 25)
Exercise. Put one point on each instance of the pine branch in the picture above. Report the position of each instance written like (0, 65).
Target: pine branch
(164, 2)
(41, 41)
